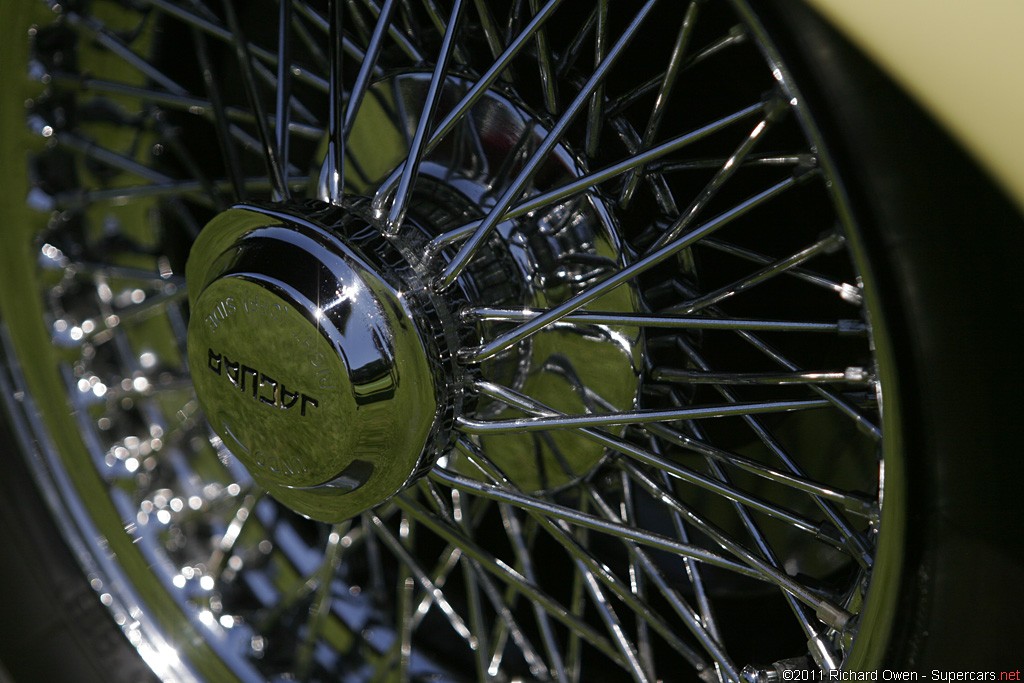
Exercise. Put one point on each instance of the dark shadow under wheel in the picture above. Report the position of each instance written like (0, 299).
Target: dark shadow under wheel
(518, 340)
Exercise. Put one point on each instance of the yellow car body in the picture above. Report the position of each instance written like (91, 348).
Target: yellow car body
(963, 61)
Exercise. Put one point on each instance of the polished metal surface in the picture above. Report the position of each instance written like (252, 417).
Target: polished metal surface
(308, 364)
(548, 319)
(313, 366)
(537, 260)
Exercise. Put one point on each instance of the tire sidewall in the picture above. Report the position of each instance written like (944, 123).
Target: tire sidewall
(944, 245)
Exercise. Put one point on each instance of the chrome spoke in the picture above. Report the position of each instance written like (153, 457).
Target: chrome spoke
(851, 539)
(184, 103)
(212, 27)
(665, 465)
(320, 611)
(322, 23)
(775, 109)
(163, 279)
(420, 576)
(331, 185)
(736, 36)
(675, 64)
(482, 649)
(850, 375)
(225, 548)
(761, 543)
(229, 152)
(547, 77)
(862, 421)
(766, 159)
(116, 46)
(152, 305)
(612, 623)
(508, 626)
(394, 33)
(629, 165)
(111, 158)
(825, 245)
(688, 615)
(525, 424)
(574, 650)
(509, 338)
(825, 610)
(470, 246)
(682, 322)
(360, 28)
(587, 182)
(592, 567)
(283, 105)
(367, 67)
(854, 503)
(417, 148)
(575, 46)
(170, 188)
(591, 522)
(522, 551)
(475, 93)
(707, 623)
(275, 165)
(595, 109)
(637, 581)
(490, 29)
(846, 291)
(507, 575)
(449, 560)
(406, 587)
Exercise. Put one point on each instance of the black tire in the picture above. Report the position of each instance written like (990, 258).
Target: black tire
(941, 246)
(53, 627)
(956, 306)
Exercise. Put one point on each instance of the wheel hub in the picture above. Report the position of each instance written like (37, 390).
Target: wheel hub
(327, 365)
(321, 370)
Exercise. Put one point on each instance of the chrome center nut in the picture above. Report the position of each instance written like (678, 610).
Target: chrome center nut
(320, 369)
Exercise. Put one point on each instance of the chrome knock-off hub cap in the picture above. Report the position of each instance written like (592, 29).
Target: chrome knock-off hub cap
(318, 368)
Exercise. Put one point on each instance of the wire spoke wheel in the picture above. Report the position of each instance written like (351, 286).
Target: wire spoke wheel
(517, 340)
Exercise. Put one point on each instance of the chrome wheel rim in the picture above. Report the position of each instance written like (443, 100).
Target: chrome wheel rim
(698, 483)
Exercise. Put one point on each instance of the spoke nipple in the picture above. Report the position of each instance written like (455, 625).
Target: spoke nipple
(834, 239)
(851, 293)
(445, 281)
(752, 674)
(777, 671)
(852, 327)
(832, 616)
(776, 104)
(804, 172)
(468, 355)
(856, 374)
(257, 645)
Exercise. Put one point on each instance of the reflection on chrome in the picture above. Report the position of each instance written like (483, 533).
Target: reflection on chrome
(492, 410)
